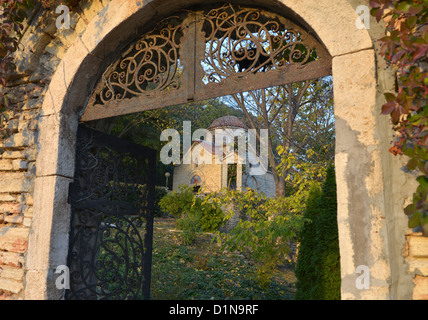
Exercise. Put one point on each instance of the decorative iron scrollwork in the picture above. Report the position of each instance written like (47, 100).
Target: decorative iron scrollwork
(201, 54)
(150, 65)
(244, 40)
(112, 223)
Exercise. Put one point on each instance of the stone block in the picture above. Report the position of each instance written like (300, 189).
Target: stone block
(28, 211)
(91, 8)
(12, 259)
(10, 207)
(26, 222)
(420, 292)
(21, 154)
(418, 246)
(4, 197)
(11, 285)
(56, 48)
(57, 153)
(418, 265)
(66, 36)
(12, 273)
(14, 239)
(48, 242)
(6, 165)
(21, 139)
(14, 218)
(19, 165)
(334, 24)
(80, 27)
(14, 182)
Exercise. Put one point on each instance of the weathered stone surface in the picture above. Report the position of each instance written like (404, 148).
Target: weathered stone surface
(56, 153)
(420, 291)
(7, 197)
(418, 265)
(91, 8)
(14, 182)
(14, 239)
(12, 259)
(19, 165)
(6, 165)
(11, 285)
(21, 139)
(48, 246)
(10, 207)
(12, 273)
(21, 154)
(418, 246)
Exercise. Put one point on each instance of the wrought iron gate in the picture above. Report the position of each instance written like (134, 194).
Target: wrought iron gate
(111, 232)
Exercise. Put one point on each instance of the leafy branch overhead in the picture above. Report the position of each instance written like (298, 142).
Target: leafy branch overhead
(405, 47)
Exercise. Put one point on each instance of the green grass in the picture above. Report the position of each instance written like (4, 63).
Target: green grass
(202, 272)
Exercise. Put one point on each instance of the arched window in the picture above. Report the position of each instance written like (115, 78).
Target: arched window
(196, 180)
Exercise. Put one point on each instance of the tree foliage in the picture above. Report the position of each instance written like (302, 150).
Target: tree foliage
(298, 116)
(306, 269)
(195, 212)
(266, 231)
(318, 265)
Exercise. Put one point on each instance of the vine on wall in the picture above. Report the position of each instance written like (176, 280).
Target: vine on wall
(405, 47)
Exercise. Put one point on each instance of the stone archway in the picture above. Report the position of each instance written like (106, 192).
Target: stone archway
(360, 157)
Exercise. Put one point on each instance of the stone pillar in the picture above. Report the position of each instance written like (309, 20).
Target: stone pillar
(224, 174)
(239, 176)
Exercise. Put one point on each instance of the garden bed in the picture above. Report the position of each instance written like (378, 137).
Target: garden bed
(201, 271)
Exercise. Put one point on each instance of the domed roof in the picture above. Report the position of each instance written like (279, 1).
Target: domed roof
(227, 121)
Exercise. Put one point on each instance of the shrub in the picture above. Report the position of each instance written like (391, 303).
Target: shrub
(196, 213)
(160, 192)
(266, 232)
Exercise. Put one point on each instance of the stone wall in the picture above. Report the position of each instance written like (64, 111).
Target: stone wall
(400, 255)
(210, 175)
(40, 51)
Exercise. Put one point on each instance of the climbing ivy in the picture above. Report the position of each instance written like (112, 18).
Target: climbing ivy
(405, 47)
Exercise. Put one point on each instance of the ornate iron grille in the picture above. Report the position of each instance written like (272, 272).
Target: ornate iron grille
(150, 65)
(112, 218)
(202, 54)
(242, 40)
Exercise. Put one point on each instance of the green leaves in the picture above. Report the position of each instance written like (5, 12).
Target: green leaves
(405, 46)
(264, 231)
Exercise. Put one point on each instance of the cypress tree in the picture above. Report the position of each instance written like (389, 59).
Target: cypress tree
(318, 262)
(305, 269)
(326, 256)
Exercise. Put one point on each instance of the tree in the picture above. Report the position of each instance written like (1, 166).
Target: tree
(305, 268)
(297, 115)
(145, 127)
(318, 264)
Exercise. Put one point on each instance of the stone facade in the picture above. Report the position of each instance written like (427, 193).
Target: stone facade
(55, 70)
(210, 161)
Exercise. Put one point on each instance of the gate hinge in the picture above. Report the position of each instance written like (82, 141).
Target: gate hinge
(70, 190)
